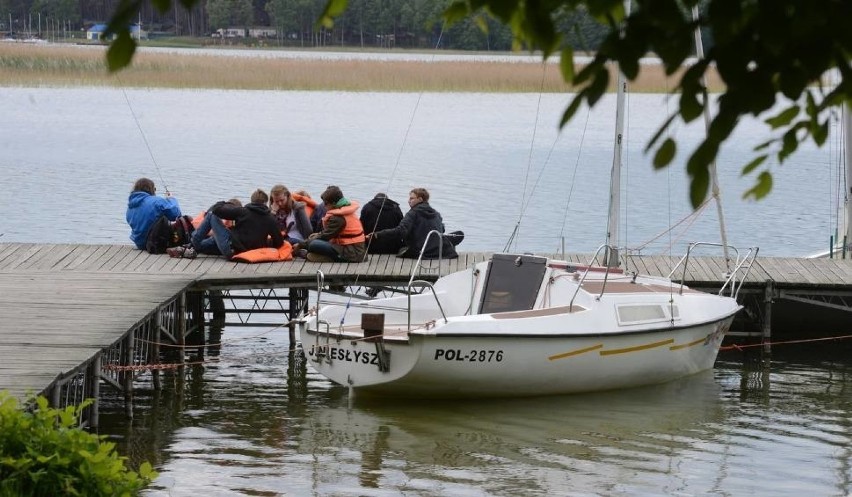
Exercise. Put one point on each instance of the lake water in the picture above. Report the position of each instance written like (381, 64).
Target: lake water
(254, 421)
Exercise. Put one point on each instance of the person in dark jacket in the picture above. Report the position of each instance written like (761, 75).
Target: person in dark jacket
(144, 207)
(379, 214)
(254, 227)
(415, 227)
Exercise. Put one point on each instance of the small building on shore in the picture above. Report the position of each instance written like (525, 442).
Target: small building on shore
(96, 32)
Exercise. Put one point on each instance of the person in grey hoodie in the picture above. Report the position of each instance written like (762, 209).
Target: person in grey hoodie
(415, 227)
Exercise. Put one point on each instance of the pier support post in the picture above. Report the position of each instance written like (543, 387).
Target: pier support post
(298, 301)
(155, 352)
(768, 296)
(94, 377)
(217, 307)
(127, 383)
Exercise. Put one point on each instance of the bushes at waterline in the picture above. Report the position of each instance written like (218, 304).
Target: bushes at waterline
(44, 452)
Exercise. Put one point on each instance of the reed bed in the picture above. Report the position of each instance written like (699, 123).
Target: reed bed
(57, 65)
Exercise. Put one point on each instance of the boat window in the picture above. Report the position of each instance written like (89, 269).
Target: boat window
(631, 314)
(512, 283)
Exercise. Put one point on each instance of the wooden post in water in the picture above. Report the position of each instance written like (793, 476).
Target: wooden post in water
(127, 378)
(769, 294)
(94, 377)
(217, 307)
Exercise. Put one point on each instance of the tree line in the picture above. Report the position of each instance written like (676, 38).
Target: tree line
(365, 23)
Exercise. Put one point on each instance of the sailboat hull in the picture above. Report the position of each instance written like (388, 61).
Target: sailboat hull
(464, 365)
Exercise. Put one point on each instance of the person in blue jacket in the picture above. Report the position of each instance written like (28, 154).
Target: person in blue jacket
(144, 207)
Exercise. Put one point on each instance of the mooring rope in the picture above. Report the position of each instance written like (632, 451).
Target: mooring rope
(783, 342)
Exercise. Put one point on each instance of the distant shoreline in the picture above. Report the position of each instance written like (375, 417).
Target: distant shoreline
(24, 64)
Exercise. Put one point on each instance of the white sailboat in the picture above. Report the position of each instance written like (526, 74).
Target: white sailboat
(524, 325)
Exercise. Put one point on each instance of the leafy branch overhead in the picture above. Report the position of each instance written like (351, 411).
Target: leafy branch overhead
(768, 53)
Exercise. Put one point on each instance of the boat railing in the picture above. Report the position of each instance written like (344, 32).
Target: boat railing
(423, 284)
(415, 270)
(734, 278)
(607, 250)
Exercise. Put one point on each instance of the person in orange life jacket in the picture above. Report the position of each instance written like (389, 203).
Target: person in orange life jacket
(144, 207)
(305, 197)
(314, 210)
(290, 215)
(342, 236)
(415, 227)
(379, 214)
(253, 226)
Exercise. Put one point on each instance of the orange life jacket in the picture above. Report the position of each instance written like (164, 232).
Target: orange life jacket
(197, 220)
(310, 204)
(266, 254)
(353, 232)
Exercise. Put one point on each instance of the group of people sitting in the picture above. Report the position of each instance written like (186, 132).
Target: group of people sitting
(293, 224)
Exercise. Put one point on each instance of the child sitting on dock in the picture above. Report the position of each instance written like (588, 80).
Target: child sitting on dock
(342, 236)
(254, 227)
(144, 207)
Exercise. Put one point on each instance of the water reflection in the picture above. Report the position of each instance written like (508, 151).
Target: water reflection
(255, 420)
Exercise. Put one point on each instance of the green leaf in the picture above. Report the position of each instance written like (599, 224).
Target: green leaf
(783, 118)
(665, 154)
(690, 107)
(566, 64)
(120, 51)
(790, 142)
(456, 12)
(571, 110)
(698, 188)
(332, 10)
(761, 188)
(751, 166)
(821, 134)
(660, 132)
(765, 145)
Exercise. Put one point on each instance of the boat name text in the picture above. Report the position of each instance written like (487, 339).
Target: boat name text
(346, 355)
(469, 356)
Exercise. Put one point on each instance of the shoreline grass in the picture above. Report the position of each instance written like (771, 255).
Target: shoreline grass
(70, 65)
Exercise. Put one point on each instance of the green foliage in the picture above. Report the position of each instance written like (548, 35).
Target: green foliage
(229, 13)
(43, 452)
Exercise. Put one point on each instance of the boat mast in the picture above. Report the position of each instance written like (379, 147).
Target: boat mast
(714, 178)
(612, 235)
(843, 238)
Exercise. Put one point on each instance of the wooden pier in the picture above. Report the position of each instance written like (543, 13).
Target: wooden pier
(76, 316)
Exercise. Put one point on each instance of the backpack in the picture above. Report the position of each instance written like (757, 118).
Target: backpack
(164, 234)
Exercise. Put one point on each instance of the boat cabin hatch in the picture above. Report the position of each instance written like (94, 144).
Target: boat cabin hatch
(512, 283)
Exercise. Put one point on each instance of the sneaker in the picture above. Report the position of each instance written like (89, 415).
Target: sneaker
(176, 251)
(301, 253)
(190, 253)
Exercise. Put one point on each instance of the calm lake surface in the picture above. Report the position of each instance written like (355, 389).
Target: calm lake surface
(253, 420)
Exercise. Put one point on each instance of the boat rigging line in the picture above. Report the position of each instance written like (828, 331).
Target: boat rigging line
(525, 200)
(144, 137)
(394, 170)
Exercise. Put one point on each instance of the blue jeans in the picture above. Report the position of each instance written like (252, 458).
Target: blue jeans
(325, 248)
(219, 243)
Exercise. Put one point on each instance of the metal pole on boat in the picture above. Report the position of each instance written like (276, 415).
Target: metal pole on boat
(611, 258)
(714, 178)
(847, 157)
